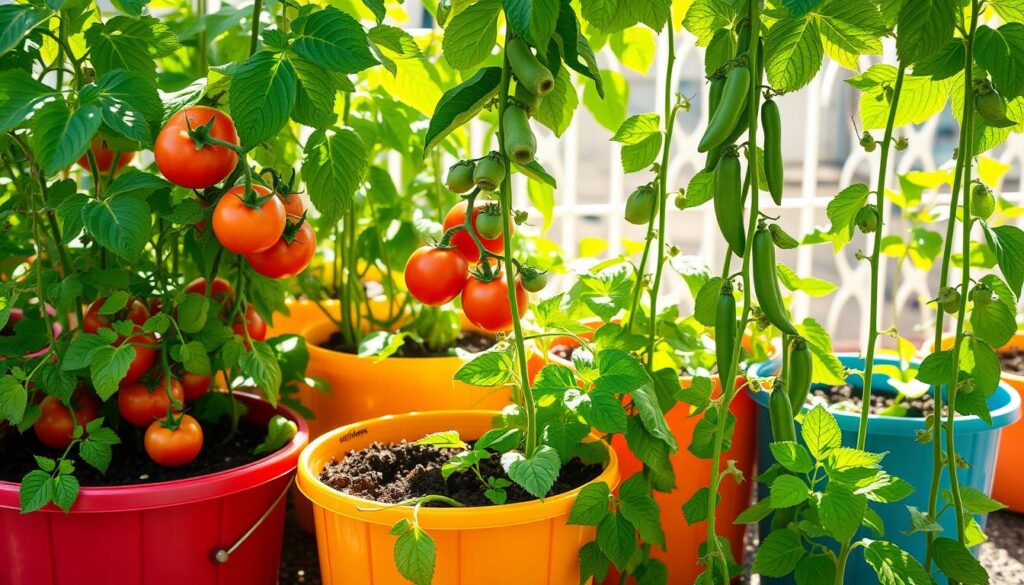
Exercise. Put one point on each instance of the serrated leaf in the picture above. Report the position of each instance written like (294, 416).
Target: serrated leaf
(924, 28)
(537, 474)
(793, 52)
(35, 491)
(13, 400)
(591, 504)
(333, 165)
(461, 104)
(893, 565)
(120, 224)
(957, 563)
(415, 555)
(820, 432)
(841, 511)
(262, 94)
(59, 135)
(333, 40)
(636, 502)
(779, 553)
(20, 97)
(470, 36)
(261, 364)
(534, 20)
(616, 538)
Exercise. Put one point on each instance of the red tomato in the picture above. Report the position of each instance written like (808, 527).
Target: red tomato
(254, 323)
(293, 204)
(54, 426)
(462, 240)
(286, 259)
(220, 289)
(243, 229)
(176, 155)
(145, 355)
(174, 447)
(141, 405)
(435, 276)
(195, 385)
(93, 321)
(104, 156)
(486, 303)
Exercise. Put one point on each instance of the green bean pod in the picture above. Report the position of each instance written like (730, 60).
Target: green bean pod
(798, 375)
(729, 202)
(530, 72)
(714, 100)
(730, 109)
(725, 327)
(520, 142)
(771, 123)
(780, 413)
(766, 283)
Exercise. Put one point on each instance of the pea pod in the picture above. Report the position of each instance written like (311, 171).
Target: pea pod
(714, 100)
(798, 374)
(520, 142)
(729, 201)
(766, 284)
(531, 73)
(771, 122)
(780, 413)
(725, 327)
(730, 109)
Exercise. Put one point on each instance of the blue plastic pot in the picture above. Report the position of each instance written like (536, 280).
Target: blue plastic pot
(907, 459)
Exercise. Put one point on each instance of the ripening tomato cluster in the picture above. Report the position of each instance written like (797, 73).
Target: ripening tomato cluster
(194, 150)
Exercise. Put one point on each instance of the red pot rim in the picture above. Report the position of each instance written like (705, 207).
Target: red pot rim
(128, 498)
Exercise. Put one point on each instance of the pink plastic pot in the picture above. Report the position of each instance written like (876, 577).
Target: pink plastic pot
(17, 315)
(165, 533)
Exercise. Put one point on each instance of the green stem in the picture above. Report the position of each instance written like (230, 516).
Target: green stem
(254, 37)
(844, 555)
(876, 258)
(505, 195)
(641, 269)
(201, 42)
(727, 376)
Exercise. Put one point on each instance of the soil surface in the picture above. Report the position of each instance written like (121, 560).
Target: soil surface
(1012, 360)
(394, 472)
(130, 465)
(469, 341)
(849, 398)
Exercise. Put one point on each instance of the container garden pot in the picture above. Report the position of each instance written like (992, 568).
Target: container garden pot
(907, 459)
(682, 541)
(301, 314)
(513, 544)
(225, 527)
(17, 315)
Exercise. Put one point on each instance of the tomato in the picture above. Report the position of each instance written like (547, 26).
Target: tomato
(145, 355)
(141, 405)
(435, 276)
(292, 204)
(462, 240)
(195, 385)
(93, 321)
(534, 280)
(177, 157)
(54, 425)
(174, 447)
(104, 156)
(255, 324)
(246, 230)
(220, 289)
(286, 259)
(486, 303)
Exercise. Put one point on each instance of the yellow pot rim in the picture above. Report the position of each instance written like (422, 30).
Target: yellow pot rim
(319, 331)
(482, 517)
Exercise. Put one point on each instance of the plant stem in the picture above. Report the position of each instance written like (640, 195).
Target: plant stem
(505, 195)
(254, 38)
(727, 377)
(201, 40)
(662, 212)
(844, 555)
(876, 257)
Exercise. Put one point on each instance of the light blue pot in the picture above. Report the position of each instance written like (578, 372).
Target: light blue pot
(976, 441)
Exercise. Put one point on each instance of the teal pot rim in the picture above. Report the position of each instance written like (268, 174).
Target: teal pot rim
(1004, 404)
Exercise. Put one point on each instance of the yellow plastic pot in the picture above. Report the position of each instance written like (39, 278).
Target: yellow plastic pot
(529, 543)
(301, 314)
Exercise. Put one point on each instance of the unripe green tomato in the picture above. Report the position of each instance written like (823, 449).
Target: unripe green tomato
(902, 143)
(460, 177)
(949, 300)
(868, 141)
(534, 280)
(680, 200)
(488, 225)
(641, 205)
(489, 172)
(983, 203)
(867, 219)
(991, 106)
(981, 296)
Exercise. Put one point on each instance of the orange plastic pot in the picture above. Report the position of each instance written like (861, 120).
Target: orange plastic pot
(301, 314)
(514, 544)
(682, 541)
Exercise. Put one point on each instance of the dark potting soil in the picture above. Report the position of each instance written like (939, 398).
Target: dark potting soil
(470, 341)
(563, 351)
(130, 465)
(847, 397)
(394, 472)
(1012, 360)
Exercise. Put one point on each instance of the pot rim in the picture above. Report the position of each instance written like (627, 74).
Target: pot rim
(319, 331)
(480, 517)
(1007, 403)
(134, 497)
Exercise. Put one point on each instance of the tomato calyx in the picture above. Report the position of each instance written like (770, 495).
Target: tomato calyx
(203, 137)
(292, 229)
(170, 422)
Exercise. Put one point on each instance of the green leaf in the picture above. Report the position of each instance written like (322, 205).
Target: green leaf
(793, 52)
(1009, 10)
(261, 364)
(849, 30)
(609, 111)
(924, 28)
(815, 569)
(756, 512)
(95, 449)
(936, 368)
(593, 563)
(616, 538)
(799, 7)
(957, 563)
(814, 287)
(195, 359)
(636, 502)
(315, 93)
(1007, 242)
(779, 553)
(922, 522)
(65, 491)
(641, 137)
(605, 412)
(696, 508)
(534, 20)
(792, 455)
(788, 491)
(635, 47)
(129, 102)
(59, 136)
(841, 511)
(129, 43)
(652, 452)
(827, 367)
(13, 400)
(119, 224)
(262, 94)
(706, 17)
(469, 38)
(981, 362)
(79, 353)
(921, 99)
(444, 440)
(16, 20)
(415, 555)
(331, 39)
(461, 104)
(975, 501)
(36, 491)
(495, 368)
(702, 441)
(842, 212)
(280, 432)
(557, 108)
(820, 432)
(591, 505)
(537, 474)
(893, 565)
(1001, 52)
(20, 96)
(334, 163)
(108, 366)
